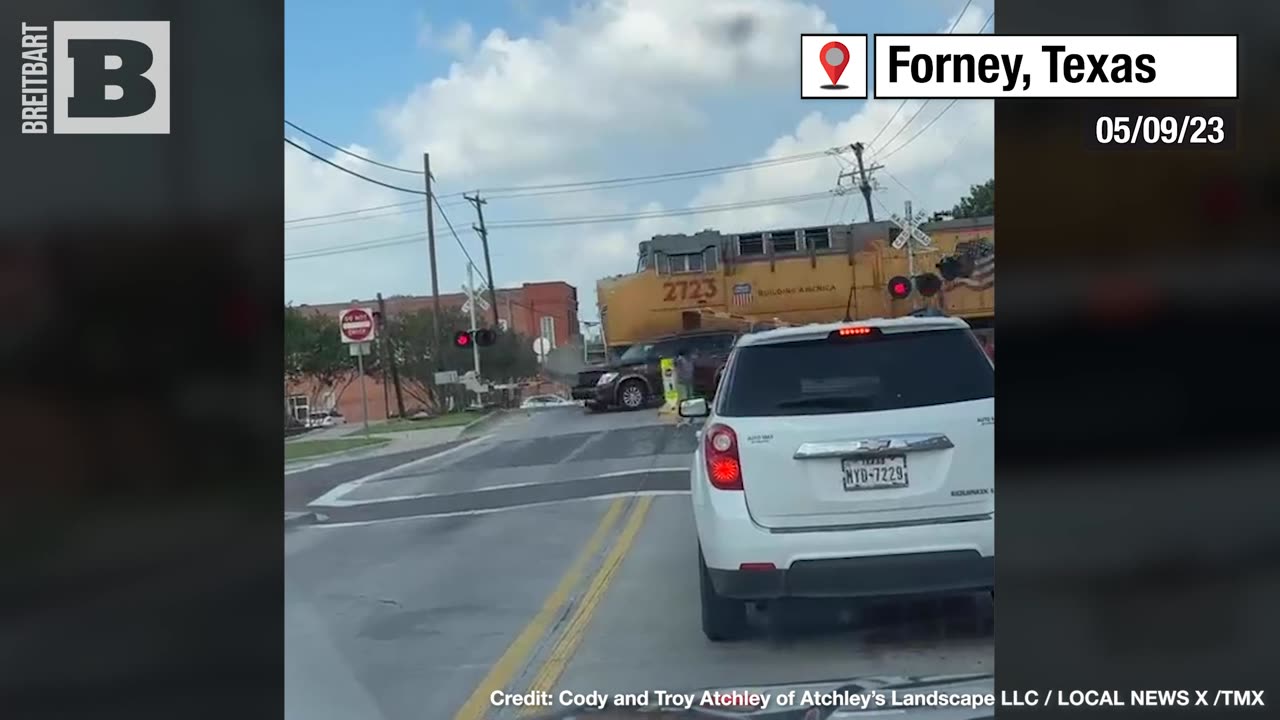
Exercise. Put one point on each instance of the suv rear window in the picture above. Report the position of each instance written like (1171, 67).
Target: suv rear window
(888, 372)
(705, 344)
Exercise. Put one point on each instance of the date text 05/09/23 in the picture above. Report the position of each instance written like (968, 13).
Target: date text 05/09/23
(1209, 130)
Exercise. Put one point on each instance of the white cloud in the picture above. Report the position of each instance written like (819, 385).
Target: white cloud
(575, 99)
(457, 40)
(614, 71)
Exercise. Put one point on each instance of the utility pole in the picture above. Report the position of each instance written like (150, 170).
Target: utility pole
(388, 356)
(471, 303)
(864, 181)
(911, 254)
(435, 278)
(484, 242)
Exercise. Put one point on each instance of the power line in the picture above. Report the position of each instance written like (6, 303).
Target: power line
(509, 192)
(412, 208)
(371, 161)
(417, 207)
(551, 222)
(690, 175)
(351, 212)
(363, 245)
(903, 104)
(574, 220)
(326, 161)
(513, 190)
(659, 177)
(904, 126)
(960, 17)
(900, 183)
(887, 123)
(935, 119)
(463, 248)
(453, 232)
(646, 215)
(920, 131)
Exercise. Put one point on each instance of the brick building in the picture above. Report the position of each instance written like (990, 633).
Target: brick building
(545, 309)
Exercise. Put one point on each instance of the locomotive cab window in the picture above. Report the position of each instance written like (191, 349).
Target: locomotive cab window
(783, 241)
(751, 244)
(817, 238)
(688, 263)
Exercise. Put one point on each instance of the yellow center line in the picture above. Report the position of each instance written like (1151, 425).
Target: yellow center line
(509, 664)
(575, 629)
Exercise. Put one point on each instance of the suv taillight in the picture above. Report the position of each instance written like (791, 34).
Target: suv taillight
(724, 469)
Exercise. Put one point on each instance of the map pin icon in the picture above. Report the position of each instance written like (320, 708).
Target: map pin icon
(834, 58)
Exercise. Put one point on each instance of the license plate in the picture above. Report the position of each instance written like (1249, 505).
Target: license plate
(873, 473)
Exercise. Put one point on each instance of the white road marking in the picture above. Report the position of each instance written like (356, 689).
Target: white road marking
(336, 502)
(638, 471)
(305, 468)
(333, 497)
(487, 511)
(590, 442)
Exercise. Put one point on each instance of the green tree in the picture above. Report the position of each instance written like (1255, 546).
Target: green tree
(314, 352)
(980, 202)
(511, 356)
(296, 342)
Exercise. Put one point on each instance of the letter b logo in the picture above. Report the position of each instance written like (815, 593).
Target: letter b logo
(111, 77)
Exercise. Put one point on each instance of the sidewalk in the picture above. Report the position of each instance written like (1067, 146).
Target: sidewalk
(399, 442)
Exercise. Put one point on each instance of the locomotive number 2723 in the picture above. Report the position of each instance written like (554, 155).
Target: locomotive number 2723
(689, 290)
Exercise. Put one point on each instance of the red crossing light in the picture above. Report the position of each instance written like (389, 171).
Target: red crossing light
(899, 287)
(928, 284)
(462, 339)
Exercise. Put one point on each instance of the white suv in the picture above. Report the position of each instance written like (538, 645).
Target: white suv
(845, 460)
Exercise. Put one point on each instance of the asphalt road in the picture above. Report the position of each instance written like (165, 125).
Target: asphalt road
(555, 552)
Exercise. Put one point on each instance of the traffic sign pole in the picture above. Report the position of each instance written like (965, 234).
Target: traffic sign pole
(364, 393)
(356, 327)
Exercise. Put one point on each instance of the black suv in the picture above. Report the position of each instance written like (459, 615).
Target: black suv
(634, 381)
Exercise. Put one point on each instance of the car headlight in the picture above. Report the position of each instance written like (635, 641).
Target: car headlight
(607, 378)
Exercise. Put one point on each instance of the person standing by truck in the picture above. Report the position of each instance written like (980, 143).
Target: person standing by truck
(684, 374)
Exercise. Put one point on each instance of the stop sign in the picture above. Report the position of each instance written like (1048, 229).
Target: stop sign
(356, 325)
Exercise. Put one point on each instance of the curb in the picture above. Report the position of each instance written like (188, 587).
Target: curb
(337, 453)
(490, 417)
(293, 519)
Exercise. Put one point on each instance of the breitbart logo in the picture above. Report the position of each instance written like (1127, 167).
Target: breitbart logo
(95, 78)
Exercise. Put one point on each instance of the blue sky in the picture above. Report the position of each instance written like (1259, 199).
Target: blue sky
(518, 92)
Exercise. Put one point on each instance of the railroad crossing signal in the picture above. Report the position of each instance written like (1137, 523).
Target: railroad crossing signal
(928, 284)
(910, 229)
(899, 287)
(483, 337)
(477, 296)
(909, 224)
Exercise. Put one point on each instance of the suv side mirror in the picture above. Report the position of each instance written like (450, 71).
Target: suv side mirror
(693, 408)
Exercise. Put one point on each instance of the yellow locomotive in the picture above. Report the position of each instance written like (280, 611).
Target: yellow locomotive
(801, 275)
